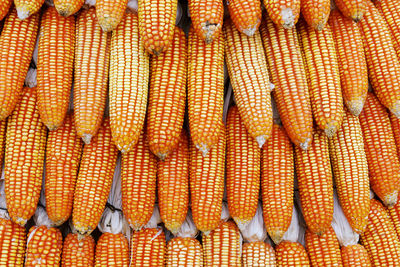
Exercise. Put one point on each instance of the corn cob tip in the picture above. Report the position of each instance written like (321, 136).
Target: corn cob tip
(355, 106)
(22, 12)
(331, 128)
(209, 31)
(276, 236)
(162, 156)
(107, 24)
(251, 30)
(158, 52)
(395, 109)
(391, 199)
(86, 138)
(82, 231)
(288, 18)
(241, 224)
(261, 139)
(203, 149)
(20, 221)
(306, 144)
(357, 16)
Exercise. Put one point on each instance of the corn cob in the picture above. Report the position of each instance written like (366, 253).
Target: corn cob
(63, 154)
(94, 180)
(323, 250)
(128, 95)
(395, 123)
(26, 8)
(112, 250)
(283, 12)
(56, 53)
(313, 170)
(394, 213)
(78, 252)
(316, 13)
(148, 248)
(258, 254)
(24, 156)
(184, 251)
(206, 177)
(247, 66)
(352, 65)
(355, 255)
(167, 96)
(205, 90)
(12, 243)
(288, 75)
(380, 148)
(353, 9)
(291, 254)
(3, 131)
(43, 246)
(246, 15)
(379, 238)
(277, 183)
(381, 58)
(17, 42)
(110, 13)
(67, 8)
(323, 77)
(92, 53)
(173, 186)
(4, 8)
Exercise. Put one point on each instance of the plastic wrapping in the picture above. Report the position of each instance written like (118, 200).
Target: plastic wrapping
(255, 230)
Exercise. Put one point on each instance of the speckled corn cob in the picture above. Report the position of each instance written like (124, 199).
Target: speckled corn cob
(355, 255)
(246, 15)
(12, 243)
(112, 250)
(78, 252)
(291, 254)
(353, 9)
(283, 12)
(27, 8)
(110, 13)
(4, 8)
(67, 8)
(184, 251)
(148, 248)
(258, 254)
(316, 12)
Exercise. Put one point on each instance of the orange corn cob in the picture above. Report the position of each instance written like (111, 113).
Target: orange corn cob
(24, 157)
(353, 9)
(207, 184)
(323, 77)
(17, 42)
(26, 8)
(258, 254)
(394, 213)
(43, 247)
(94, 180)
(3, 132)
(323, 250)
(355, 255)
(78, 252)
(277, 179)
(138, 183)
(247, 66)
(12, 243)
(379, 238)
(4, 8)
(395, 123)
(205, 90)
(184, 251)
(128, 94)
(112, 250)
(173, 186)
(352, 65)
(314, 176)
(380, 148)
(246, 15)
(92, 54)
(283, 12)
(381, 58)
(110, 13)
(222, 247)
(148, 248)
(291, 254)
(316, 13)
(67, 8)
(167, 96)
(288, 75)
(63, 154)
(55, 53)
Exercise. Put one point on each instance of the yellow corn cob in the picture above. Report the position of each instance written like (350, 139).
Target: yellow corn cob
(205, 90)
(78, 252)
(316, 13)
(395, 123)
(167, 96)
(207, 184)
(394, 213)
(24, 157)
(247, 66)
(112, 250)
(3, 131)
(258, 254)
(12, 243)
(381, 58)
(246, 15)
(222, 247)
(184, 251)
(314, 175)
(128, 94)
(355, 255)
(288, 75)
(291, 254)
(380, 148)
(55, 67)
(67, 8)
(26, 8)
(283, 12)
(173, 186)
(17, 42)
(4, 8)
(110, 13)
(63, 154)
(352, 65)
(323, 250)
(43, 247)
(353, 9)
(379, 238)
(277, 179)
(148, 248)
(92, 53)
(94, 180)
(138, 183)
